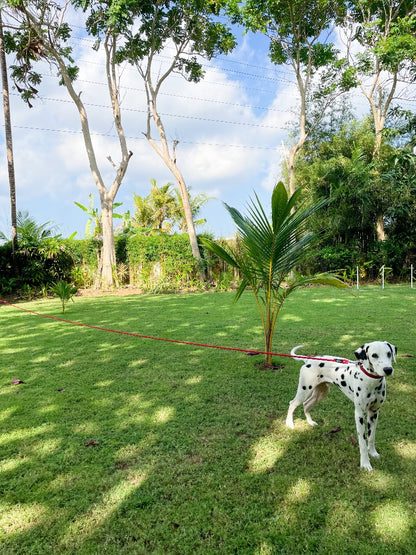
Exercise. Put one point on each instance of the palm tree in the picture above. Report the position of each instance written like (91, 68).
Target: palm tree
(269, 252)
(155, 212)
(163, 203)
(8, 134)
(196, 203)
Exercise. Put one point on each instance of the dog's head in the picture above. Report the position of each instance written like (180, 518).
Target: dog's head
(379, 356)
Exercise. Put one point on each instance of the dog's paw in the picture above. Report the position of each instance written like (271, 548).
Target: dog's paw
(366, 466)
(290, 424)
(374, 454)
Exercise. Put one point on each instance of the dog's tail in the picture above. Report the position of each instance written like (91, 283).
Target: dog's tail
(293, 352)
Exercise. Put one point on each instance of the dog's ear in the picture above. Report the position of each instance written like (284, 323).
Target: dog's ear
(361, 353)
(393, 350)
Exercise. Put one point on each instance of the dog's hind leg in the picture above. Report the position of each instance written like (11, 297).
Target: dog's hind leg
(319, 393)
(302, 395)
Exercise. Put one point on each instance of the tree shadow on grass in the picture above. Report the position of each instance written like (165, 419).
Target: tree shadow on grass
(191, 456)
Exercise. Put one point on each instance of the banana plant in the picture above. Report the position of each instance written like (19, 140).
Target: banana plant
(268, 253)
(95, 218)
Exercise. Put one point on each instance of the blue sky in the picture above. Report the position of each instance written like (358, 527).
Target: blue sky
(231, 129)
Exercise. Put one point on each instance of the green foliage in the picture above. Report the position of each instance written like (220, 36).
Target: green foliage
(155, 212)
(162, 209)
(41, 258)
(339, 164)
(387, 37)
(162, 262)
(190, 25)
(65, 291)
(269, 252)
(31, 24)
(294, 27)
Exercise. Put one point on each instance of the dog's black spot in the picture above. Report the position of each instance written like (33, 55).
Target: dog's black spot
(304, 387)
(342, 377)
(343, 383)
(310, 387)
(359, 388)
(336, 369)
(357, 394)
(321, 376)
(361, 420)
(351, 389)
(368, 395)
(322, 364)
(383, 393)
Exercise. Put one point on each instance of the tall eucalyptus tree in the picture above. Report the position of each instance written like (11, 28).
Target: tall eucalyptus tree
(300, 37)
(40, 32)
(186, 31)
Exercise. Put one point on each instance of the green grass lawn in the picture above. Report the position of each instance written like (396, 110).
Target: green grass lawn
(192, 454)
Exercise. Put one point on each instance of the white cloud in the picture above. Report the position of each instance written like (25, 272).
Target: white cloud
(225, 113)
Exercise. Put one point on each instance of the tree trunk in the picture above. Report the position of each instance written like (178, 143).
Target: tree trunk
(188, 217)
(9, 141)
(170, 160)
(381, 235)
(291, 168)
(107, 196)
(108, 253)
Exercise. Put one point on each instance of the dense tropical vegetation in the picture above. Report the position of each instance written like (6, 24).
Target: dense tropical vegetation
(365, 168)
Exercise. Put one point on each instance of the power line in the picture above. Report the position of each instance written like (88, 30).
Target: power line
(199, 143)
(208, 82)
(220, 58)
(183, 116)
(185, 97)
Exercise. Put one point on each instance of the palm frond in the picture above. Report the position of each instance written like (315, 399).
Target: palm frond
(269, 251)
(219, 251)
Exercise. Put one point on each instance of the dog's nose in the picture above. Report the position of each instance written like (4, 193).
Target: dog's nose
(388, 370)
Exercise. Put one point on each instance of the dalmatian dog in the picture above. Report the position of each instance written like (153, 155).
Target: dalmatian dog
(363, 382)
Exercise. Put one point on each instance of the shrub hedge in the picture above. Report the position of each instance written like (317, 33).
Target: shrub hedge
(159, 263)
(164, 263)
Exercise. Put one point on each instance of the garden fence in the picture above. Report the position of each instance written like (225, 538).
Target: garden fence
(383, 273)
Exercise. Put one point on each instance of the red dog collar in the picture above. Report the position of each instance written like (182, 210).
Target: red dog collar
(368, 373)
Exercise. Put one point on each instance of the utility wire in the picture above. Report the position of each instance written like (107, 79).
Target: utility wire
(78, 132)
(137, 110)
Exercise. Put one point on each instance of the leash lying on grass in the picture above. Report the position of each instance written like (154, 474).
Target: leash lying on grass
(205, 345)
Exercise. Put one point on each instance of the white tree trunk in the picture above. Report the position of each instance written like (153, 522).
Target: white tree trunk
(108, 253)
(169, 158)
(107, 196)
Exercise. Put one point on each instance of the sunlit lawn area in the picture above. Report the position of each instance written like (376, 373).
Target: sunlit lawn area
(115, 444)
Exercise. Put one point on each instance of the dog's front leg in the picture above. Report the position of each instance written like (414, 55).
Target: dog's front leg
(362, 438)
(372, 419)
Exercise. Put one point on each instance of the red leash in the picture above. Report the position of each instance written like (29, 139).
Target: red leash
(250, 351)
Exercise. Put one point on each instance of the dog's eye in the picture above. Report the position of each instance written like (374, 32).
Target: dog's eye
(389, 354)
(375, 355)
